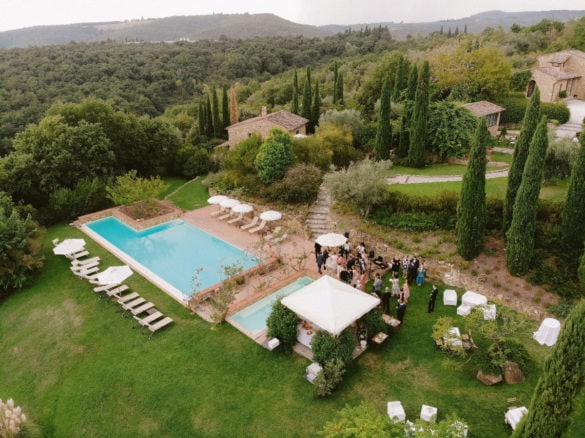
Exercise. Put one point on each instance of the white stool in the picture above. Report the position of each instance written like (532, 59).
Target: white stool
(463, 310)
(489, 312)
(273, 343)
(396, 411)
(513, 416)
(428, 413)
(449, 297)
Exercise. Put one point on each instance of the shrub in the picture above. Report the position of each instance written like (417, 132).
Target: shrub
(274, 157)
(555, 111)
(192, 161)
(282, 324)
(562, 308)
(327, 347)
(375, 322)
(300, 184)
(328, 379)
(12, 419)
(515, 105)
(560, 156)
(519, 80)
(68, 203)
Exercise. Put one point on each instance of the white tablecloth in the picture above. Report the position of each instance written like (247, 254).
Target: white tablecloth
(473, 299)
(453, 337)
(305, 336)
(513, 416)
(449, 297)
(548, 332)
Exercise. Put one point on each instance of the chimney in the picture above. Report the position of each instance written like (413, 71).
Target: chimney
(264, 111)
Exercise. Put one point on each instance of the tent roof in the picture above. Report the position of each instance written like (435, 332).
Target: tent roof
(330, 304)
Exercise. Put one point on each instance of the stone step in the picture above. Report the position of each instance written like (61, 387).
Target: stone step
(317, 209)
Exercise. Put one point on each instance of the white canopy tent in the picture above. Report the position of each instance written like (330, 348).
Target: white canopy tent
(330, 304)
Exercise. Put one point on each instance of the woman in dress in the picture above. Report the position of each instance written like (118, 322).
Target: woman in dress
(395, 285)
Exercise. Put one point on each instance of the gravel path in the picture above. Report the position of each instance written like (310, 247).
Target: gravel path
(421, 179)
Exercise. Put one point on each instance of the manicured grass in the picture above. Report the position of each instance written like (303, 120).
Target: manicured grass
(502, 158)
(432, 170)
(173, 184)
(79, 369)
(192, 195)
(495, 188)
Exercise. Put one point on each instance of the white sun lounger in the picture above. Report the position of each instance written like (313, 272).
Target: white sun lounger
(81, 268)
(129, 305)
(224, 216)
(251, 224)
(158, 325)
(105, 288)
(142, 308)
(77, 255)
(85, 262)
(278, 239)
(148, 319)
(88, 273)
(258, 228)
(117, 291)
(239, 217)
(128, 297)
(275, 233)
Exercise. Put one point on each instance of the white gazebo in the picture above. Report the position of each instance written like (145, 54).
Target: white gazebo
(330, 304)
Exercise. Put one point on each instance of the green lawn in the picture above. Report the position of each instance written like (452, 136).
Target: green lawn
(191, 195)
(79, 369)
(173, 184)
(432, 170)
(495, 188)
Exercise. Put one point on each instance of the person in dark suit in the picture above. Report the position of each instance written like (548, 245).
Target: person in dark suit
(433, 298)
(400, 311)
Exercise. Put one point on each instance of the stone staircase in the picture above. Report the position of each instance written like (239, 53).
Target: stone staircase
(318, 221)
(568, 129)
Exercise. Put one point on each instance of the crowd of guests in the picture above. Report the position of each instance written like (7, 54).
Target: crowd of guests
(357, 267)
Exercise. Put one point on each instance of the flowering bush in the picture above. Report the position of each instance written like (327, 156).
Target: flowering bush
(11, 419)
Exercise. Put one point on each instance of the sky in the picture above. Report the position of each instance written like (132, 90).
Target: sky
(16, 14)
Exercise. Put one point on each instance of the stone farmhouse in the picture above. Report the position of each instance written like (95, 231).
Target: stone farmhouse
(490, 111)
(264, 123)
(559, 75)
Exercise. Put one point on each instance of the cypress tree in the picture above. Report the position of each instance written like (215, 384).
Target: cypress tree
(398, 80)
(581, 274)
(418, 126)
(316, 110)
(523, 227)
(471, 209)
(208, 118)
(217, 123)
(234, 116)
(201, 118)
(404, 139)
(306, 110)
(384, 131)
(553, 399)
(294, 106)
(573, 227)
(225, 110)
(531, 119)
(339, 88)
(335, 79)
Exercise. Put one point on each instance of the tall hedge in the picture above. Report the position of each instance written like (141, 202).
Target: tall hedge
(553, 399)
(306, 108)
(418, 126)
(521, 235)
(581, 274)
(471, 209)
(531, 118)
(384, 131)
(573, 228)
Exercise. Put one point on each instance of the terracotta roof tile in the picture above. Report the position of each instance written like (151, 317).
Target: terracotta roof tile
(558, 74)
(483, 108)
(286, 119)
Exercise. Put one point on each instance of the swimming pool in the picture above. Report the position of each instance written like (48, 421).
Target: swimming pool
(173, 252)
(253, 318)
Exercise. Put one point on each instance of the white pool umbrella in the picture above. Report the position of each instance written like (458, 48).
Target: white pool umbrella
(114, 274)
(271, 215)
(229, 203)
(331, 239)
(69, 246)
(216, 199)
(242, 208)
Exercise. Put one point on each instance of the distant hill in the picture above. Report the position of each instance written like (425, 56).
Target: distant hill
(475, 23)
(191, 28)
(216, 26)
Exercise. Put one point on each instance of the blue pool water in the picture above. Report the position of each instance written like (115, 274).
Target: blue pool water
(253, 318)
(175, 251)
